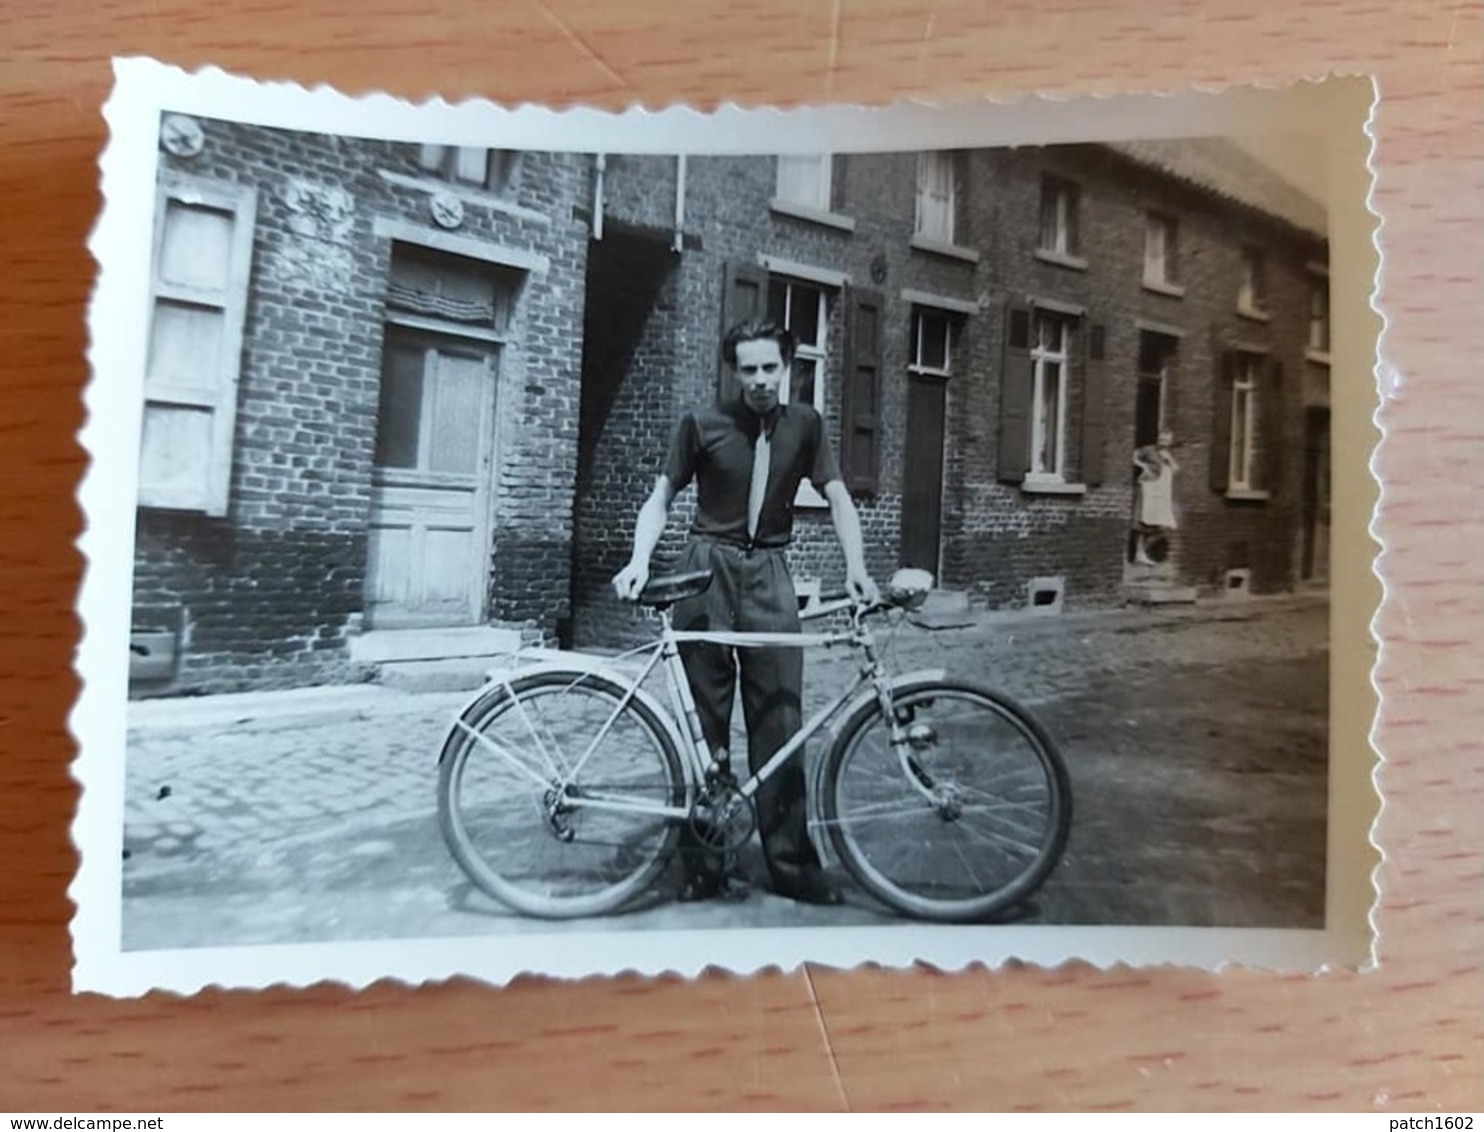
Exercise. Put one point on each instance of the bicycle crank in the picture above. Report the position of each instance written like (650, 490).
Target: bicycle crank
(723, 818)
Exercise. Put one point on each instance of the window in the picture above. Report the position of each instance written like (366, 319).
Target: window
(1059, 219)
(198, 304)
(1157, 354)
(805, 180)
(1160, 235)
(1054, 357)
(1050, 358)
(1252, 295)
(937, 197)
(1319, 315)
(932, 342)
(1240, 467)
(492, 169)
(804, 309)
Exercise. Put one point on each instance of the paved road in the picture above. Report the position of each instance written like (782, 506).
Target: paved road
(1196, 741)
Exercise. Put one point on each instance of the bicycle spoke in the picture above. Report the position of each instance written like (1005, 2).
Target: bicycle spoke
(990, 837)
(511, 759)
(557, 772)
(960, 824)
(534, 842)
(968, 868)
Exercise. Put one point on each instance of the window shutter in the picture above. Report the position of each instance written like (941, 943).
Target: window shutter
(202, 263)
(1017, 382)
(1273, 418)
(1094, 405)
(861, 392)
(744, 296)
(1221, 419)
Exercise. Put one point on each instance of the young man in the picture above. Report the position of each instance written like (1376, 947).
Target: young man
(747, 457)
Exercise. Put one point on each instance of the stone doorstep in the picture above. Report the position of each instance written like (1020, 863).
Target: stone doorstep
(945, 603)
(1160, 593)
(382, 645)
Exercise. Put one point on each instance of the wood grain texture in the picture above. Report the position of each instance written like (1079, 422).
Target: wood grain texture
(1405, 1037)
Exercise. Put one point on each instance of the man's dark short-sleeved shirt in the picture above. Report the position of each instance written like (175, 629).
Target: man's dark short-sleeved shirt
(715, 447)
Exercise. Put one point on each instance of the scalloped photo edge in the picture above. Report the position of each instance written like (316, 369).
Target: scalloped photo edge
(245, 573)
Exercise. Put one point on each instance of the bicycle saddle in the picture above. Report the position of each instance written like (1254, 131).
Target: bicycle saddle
(661, 592)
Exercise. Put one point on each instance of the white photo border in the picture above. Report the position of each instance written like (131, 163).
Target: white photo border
(1339, 107)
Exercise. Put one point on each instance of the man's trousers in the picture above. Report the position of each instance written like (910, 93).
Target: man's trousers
(751, 591)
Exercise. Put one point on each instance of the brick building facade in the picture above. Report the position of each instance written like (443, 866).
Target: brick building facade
(448, 378)
(937, 303)
(361, 401)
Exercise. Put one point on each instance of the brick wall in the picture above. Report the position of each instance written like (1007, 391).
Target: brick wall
(270, 594)
(996, 536)
(607, 351)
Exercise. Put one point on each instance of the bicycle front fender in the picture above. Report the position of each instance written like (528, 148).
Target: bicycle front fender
(904, 682)
(867, 696)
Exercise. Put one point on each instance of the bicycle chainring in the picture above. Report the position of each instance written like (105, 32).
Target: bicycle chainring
(723, 818)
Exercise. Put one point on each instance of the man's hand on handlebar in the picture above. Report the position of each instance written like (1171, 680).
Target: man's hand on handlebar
(862, 587)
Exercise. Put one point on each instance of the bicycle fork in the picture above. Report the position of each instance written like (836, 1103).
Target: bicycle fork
(911, 738)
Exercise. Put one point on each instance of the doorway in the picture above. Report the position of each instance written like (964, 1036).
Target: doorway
(922, 475)
(1149, 549)
(1316, 499)
(933, 345)
(429, 554)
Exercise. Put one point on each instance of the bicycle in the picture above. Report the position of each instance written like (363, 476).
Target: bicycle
(563, 786)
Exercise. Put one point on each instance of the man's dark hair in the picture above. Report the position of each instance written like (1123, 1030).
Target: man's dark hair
(753, 330)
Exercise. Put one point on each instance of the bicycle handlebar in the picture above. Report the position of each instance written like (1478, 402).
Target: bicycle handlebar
(825, 604)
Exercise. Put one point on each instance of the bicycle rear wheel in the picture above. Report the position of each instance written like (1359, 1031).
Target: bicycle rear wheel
(963, 819)
(513, 777)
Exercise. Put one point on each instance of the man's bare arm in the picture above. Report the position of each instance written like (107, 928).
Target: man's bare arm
(848, 531)
(629, 582)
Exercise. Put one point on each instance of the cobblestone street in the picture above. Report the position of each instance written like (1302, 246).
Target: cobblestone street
(1195, 737)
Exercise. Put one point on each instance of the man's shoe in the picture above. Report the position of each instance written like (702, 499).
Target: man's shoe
(811, 887)
(708, 886)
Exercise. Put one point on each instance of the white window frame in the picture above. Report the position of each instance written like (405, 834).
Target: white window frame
(216, 390)
(935, 169)
(819, 198)
(1041, 356)
(818, 352)
(1065, 196)
(446, 162)
(1161, 247)
(1241, 458)
(1320, 320)
(919, 316)
(1252, 291)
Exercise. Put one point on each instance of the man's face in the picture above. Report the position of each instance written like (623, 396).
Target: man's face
(760, 369)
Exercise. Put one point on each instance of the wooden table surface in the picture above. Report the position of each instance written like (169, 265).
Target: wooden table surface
(1405, 1037)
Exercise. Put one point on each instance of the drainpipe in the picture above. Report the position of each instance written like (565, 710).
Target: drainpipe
(602, 167)
(679, 242)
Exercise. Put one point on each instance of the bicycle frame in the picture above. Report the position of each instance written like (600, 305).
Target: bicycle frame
(697, 761)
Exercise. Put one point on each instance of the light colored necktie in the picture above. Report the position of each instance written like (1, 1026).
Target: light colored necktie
(759, 485)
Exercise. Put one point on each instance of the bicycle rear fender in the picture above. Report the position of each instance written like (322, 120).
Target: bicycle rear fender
(582, 664)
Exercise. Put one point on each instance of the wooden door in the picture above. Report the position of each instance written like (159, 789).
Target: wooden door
(429, 537)
(922, 476)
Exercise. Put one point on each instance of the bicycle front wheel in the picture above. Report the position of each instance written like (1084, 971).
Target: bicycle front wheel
(964, 815)
(550, 791)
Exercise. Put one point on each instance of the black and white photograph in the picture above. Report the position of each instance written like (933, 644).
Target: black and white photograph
(590, 559)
